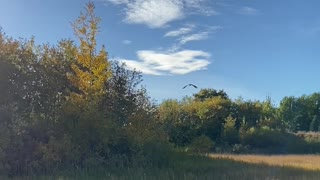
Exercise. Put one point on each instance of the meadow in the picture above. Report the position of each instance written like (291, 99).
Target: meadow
(305, 162)
(213, 166)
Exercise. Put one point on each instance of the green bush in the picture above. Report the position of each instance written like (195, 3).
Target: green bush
(266, 140)
(155, 154)
(309, 136)
(230, 133)
(201, 144)
(240, 149)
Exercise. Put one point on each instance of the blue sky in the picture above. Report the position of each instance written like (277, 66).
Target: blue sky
(249, 48)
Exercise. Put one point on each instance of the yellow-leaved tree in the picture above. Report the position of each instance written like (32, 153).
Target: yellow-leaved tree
(91, 68)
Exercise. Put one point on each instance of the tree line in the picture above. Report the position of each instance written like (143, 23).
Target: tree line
(243, 126)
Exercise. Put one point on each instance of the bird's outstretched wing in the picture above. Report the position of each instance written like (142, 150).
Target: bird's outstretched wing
(185, 86)
(193, 85)
(190, 85)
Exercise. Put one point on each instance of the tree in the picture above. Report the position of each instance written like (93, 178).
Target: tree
(268, 109)
(314, 125)
(91, 68)
(230, 133)
(303, 116)
(210, 93)
(249, 111)
(124, 97)
(287, 111)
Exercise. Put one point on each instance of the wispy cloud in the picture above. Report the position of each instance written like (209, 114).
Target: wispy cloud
(126, 42)
(180, 31)
(193, 37)
(185, 37)
(203, 7)
(164, 63)
(158, 13)
(248, 11)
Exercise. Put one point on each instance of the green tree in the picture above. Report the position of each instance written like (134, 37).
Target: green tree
(210, 93)
(230, 132)
(212, 114)
(248, 111)
(287, 112)
(269, 117)
(124, 96)
(314, 125)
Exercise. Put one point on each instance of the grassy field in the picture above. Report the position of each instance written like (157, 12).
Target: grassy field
(305, 162)
(220, 167)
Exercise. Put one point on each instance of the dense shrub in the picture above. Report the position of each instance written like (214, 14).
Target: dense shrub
(261, 138)
(266, 140)
(240, 149)
(202, 144)
(309, 136)
(230, 133)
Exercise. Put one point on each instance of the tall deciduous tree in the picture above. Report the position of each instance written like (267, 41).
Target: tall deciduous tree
(91, 68)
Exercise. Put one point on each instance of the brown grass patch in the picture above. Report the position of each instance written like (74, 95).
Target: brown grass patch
(307, 162)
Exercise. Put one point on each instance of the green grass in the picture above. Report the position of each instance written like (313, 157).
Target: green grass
(192, 167)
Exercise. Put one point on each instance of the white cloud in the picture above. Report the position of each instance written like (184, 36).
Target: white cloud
(178, 32)
(184, 37)
(200, 7)
(140, 66)
(198, 36)
(162, 63)
(158, 13)
(194, 3)
(154, 13)
(193, 37)
(248, 11)
(126, 42)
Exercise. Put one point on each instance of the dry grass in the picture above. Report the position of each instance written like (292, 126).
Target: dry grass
(306, 162)
(191, 168)
(218, 167)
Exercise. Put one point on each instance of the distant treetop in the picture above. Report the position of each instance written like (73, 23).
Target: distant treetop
(210, 93)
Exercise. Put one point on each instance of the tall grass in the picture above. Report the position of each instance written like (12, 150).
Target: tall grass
(199, 167)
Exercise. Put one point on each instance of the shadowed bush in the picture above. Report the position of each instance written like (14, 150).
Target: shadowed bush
(202, 144)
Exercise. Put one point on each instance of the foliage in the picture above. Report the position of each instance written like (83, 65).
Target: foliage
(265, 139)
(230, 133)
(249, 112)
(201, 144)
(68, 107)
(204, 94)
(90, 69)
(298, 112)
(309, 136)
(186, 120)
(314, 125)
(240, 149)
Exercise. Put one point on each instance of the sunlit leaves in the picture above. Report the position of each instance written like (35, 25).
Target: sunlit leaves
(91, 68)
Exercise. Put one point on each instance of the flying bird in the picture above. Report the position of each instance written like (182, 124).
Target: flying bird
(190, 85)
